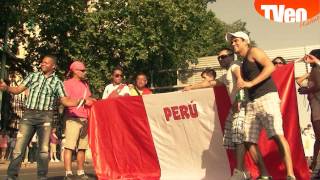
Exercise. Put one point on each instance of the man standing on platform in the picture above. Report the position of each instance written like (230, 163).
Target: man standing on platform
(44, 87)
(263, 108)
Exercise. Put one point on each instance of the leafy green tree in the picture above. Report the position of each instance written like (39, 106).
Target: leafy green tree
(153, 36)
(149, 36)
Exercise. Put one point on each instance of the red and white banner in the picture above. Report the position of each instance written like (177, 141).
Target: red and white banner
(178, 136)
(187, 135)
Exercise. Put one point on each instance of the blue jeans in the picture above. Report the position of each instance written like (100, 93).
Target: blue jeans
(33, 152)
(33, 121)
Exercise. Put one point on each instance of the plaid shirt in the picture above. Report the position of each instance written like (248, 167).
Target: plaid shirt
(43, 91)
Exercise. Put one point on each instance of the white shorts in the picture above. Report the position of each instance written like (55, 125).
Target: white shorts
(263, 112)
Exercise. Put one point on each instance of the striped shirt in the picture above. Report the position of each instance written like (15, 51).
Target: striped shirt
(43, 91)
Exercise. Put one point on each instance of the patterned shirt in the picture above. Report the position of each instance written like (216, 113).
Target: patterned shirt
(111, 87)
(43, 91)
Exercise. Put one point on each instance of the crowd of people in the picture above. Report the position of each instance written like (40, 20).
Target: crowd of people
(256, 102)
(252, 91)
(7, 143)
(44, 88)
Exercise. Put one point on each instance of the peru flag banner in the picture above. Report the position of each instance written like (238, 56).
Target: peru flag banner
(173, 136)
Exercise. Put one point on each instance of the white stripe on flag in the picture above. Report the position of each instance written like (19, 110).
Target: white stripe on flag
(187, 135)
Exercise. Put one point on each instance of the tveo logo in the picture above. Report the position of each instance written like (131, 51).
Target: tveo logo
(188, 111)
(287, 11)
(282, 14)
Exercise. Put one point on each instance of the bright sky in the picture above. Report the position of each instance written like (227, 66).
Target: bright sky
(268, 35)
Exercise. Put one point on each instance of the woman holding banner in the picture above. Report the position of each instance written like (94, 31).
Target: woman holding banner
(313, 92)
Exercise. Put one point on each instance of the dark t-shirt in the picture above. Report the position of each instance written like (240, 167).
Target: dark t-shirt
(251, 70)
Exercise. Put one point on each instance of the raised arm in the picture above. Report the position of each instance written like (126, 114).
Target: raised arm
(311, 59)
(203, 84)
(300, 80)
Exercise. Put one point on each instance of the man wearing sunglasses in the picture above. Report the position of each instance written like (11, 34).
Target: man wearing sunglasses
(263, 108)
(76, 119)
(116, 88)
(44, 88)
(233, 132)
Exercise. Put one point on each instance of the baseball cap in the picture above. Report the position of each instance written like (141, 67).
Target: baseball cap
(238, 34)
(77, 65)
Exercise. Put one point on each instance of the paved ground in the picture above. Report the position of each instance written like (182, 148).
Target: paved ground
(56, 171)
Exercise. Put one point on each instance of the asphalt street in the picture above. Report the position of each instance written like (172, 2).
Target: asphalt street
(56, 171)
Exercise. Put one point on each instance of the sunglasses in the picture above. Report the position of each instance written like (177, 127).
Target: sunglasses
(82, 70)
(276, 62)
(118, 75)
(222, 57)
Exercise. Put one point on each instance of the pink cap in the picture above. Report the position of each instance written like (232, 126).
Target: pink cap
(77, 65)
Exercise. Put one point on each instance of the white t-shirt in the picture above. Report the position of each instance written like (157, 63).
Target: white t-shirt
(111, 87)
(230, 80)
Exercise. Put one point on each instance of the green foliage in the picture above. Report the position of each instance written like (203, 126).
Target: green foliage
(140, 35)
(149, 36)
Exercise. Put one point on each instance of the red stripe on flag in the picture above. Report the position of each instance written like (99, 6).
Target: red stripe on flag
(285, 82)
(223, 106)
(120, 140)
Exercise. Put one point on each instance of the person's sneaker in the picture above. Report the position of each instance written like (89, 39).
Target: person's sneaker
(68, 177)
(240, 175)
(264, 178)
(82, 177)
(56, 160)
(291, 178)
